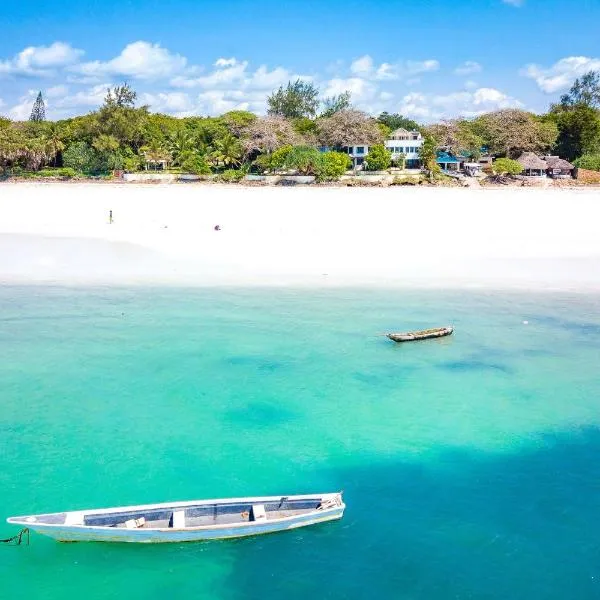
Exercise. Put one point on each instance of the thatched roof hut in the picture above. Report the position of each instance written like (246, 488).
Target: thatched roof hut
(532, 165)
(559, 167)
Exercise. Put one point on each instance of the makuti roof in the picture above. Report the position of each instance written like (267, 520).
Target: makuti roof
(530, 161)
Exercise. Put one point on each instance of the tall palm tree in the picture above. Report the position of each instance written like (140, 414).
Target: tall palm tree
(53, 137)
(155, 153)
(179, 144)
(228, 151)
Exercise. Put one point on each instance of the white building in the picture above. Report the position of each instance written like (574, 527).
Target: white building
(401, 142)
(407, 143)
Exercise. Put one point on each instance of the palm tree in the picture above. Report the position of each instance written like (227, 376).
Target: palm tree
(155, 153)
(180, 143)
(228, 151)
(53, 139)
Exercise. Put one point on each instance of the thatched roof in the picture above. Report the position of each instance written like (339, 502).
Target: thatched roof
(530, 161)
(555, 162)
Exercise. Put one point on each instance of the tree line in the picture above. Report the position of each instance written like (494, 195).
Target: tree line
(300, 132)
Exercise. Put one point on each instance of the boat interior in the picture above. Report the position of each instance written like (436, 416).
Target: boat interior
(179, 517)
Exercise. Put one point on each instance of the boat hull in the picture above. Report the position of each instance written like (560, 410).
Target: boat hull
(417, 335)
(202, 520)
(158, 536)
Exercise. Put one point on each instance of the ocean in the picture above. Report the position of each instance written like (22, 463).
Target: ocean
(469, 464)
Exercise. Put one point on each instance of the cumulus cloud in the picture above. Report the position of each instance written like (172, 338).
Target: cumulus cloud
(468, 67)
(138, 60)
(231, 73)
(40, 61)
(561, 74)
(430, 107)
(365, 67)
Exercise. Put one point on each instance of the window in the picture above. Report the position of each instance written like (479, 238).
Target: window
(360, 149)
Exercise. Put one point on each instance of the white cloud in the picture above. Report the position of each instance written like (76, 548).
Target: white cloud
(174, 103)
(231, 72)
(430, 107)
(58, 91)
(138, 60)
(470, 84)
(88, 98)
(468, 67)
(22, 110)
(365, 68)
(40, 61)
(561, 74)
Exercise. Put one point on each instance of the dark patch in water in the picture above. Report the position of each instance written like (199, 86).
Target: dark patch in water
(261, 364)
(467, 525)
(474, 365)
(261, 414)
(586, 329)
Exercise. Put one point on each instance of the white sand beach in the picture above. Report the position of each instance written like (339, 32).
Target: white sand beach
(547, 239)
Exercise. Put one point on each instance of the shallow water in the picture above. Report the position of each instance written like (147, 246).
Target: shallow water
(469, 464)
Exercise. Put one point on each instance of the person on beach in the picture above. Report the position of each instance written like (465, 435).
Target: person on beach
(110, 219)
(217, 228)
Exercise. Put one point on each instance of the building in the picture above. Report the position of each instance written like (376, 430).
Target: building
(405, 144)
(533, 166)
(357, 154)
(558, 168)
(448, 162)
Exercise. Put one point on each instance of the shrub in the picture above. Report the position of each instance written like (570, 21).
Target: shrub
(378, 159)
(507, 166)
(231, 176)
(304, 159)
(64, 172)
(332, 166)
(80, 157)
(588, 161)
(195, 163)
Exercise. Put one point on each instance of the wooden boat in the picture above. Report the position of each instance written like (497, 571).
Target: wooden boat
(424, 334)
(187, 521)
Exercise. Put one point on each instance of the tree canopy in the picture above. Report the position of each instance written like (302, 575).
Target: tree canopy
(297, 99)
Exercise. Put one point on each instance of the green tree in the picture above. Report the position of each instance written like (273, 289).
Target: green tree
(38, 111)
(332, 166)
(303, 159)
(228, 151)
(180, 144)
(397, 121)
(584, 92)
(333, 104)
(588, 161)
(507, 166)
(80, 157)
(578, 130)
(379, 158)
(297, 99)
(194, 162)
(54, 136)
(428, 155)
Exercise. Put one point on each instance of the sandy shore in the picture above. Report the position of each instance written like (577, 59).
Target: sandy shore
(299, 236)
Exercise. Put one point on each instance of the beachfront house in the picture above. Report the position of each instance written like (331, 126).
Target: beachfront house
(533, 166)
(357, 154)
(404, 144)
(448, 162)
(558, 168)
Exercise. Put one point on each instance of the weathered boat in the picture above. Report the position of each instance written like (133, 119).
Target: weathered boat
(424, 334)
(187, 521)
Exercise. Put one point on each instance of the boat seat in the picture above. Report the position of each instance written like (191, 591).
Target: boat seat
(177, 520)
(135, 523)
(74, 518)
(258, 513)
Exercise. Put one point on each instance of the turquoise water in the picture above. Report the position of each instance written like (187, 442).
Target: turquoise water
(470, 464)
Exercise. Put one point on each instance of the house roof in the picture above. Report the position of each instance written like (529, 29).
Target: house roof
(530, 161)
(555, 162)
(444, 157)
(402, 133)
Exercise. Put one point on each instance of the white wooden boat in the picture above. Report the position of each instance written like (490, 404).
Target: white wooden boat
(187, 521)
(425, 334)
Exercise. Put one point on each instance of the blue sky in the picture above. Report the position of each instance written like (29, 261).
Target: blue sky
(428, 59)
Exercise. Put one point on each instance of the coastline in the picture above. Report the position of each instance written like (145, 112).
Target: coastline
(318, 236)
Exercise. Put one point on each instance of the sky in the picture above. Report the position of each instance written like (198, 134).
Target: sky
(425, 59)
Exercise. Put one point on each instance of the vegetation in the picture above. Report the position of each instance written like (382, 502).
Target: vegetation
(588, 161)
(301, 133)
(507, 166)
(379, 158)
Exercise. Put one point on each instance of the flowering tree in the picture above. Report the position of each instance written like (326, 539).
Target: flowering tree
(266, 134)
(348, 128)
